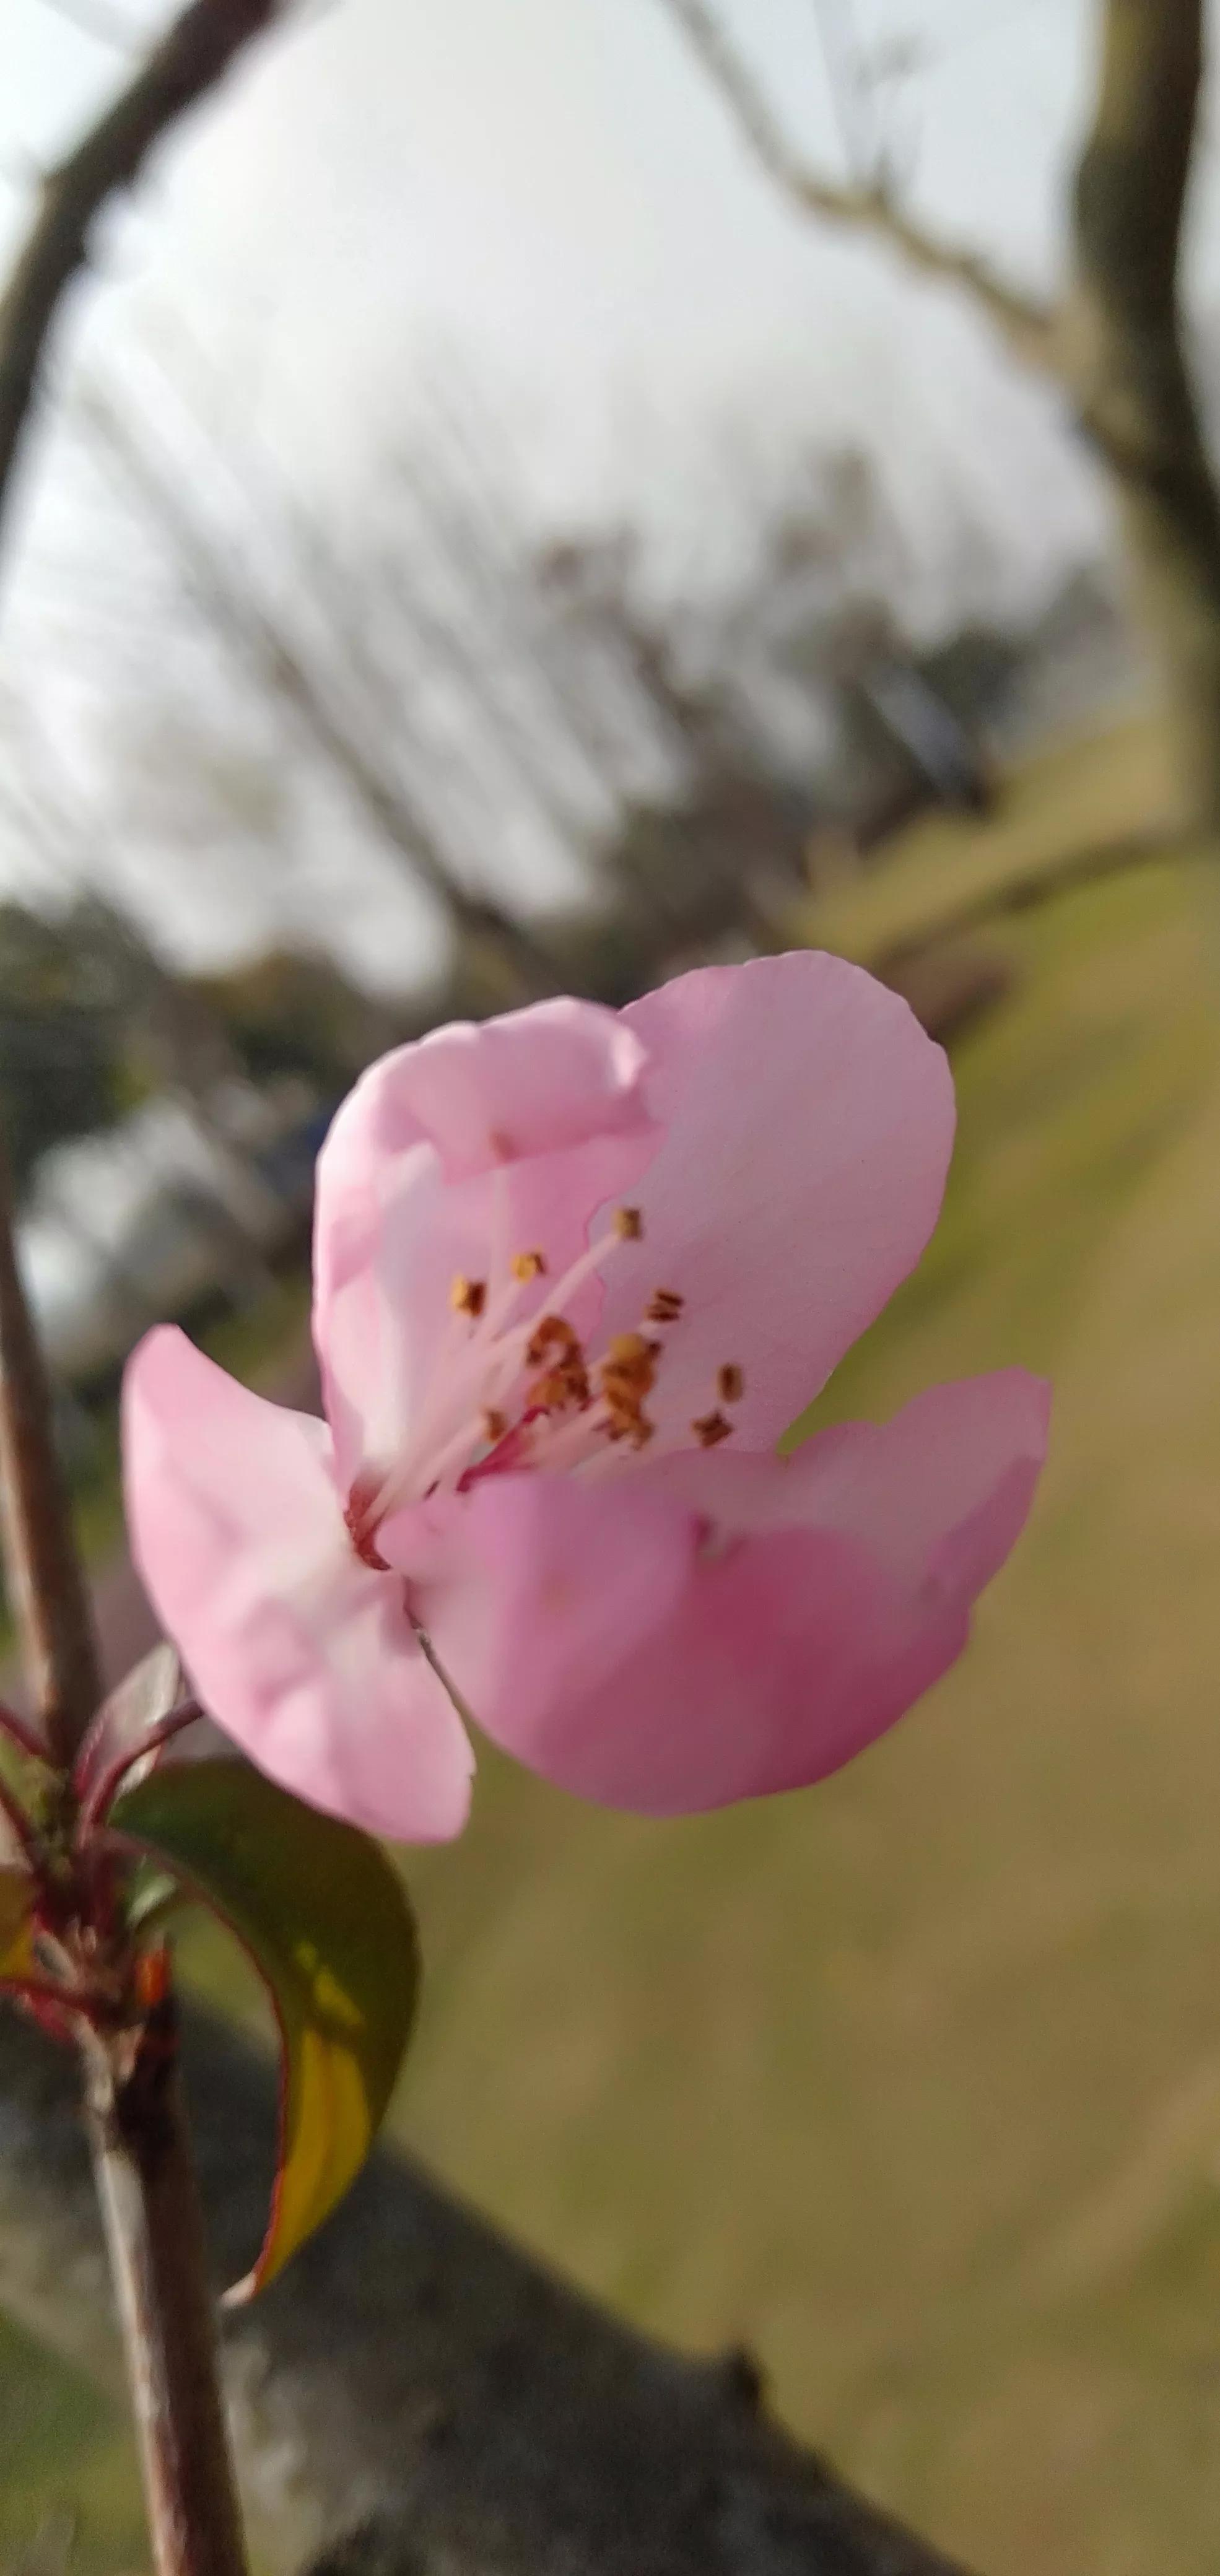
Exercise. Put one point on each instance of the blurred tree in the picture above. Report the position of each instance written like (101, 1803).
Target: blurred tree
(289, 1012)
(1115, 342)
(61, 1035)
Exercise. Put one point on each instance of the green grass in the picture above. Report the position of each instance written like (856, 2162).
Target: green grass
(914, 2082)
(66, 2484)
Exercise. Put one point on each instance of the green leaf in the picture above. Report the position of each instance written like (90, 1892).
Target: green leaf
(328, 1925)
(16, 1946)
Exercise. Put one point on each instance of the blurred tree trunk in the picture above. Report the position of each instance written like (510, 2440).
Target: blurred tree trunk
(416, 2397)
(1124, 356)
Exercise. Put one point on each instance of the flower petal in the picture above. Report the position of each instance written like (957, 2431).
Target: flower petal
(807, 1124)
(498, 1091)
(939, 1494)
(534, 1588)
(448, 1157)
(776, 1616)
(304, 1656)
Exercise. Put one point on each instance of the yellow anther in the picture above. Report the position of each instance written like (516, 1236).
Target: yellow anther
(494, 1426)
(550, 1333)
(629, 1225)
(561, 1387)
(528, 1265)
(468, 1296)
(630, 1351)
(711, 1429)
(730, 1383)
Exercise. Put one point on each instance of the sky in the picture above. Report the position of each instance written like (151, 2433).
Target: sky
(553, 185)
(552, 189)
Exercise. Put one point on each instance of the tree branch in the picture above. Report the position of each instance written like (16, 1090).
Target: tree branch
(1027, 324)
(975, 907)
(1126, 359)
(416, 2397)
(255, 629)
(189, 61)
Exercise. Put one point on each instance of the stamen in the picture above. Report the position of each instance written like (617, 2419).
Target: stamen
(561, 1388)
(711, 1429)
(550, 1333)
(627, 1375)
(730, 1383)
(632, 1351)
(521, 1393)
(468, 1296)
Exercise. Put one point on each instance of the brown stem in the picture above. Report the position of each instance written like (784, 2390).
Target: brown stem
(50, 1599)
(153, 2223)
(137, 2129)
(100, 1794)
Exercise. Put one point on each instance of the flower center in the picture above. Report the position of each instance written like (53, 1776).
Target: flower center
(513, 1391)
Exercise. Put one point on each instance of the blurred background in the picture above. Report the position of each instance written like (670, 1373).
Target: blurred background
(490, 526)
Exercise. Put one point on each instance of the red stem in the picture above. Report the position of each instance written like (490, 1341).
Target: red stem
(22, 1736)
(105, 1789)
(40, 1990)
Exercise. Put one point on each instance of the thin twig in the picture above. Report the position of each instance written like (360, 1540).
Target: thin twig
(1028, 324)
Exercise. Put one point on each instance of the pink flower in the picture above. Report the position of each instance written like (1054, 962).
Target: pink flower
(575, 1273)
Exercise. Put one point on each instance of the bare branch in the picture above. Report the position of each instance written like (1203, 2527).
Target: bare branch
(974, 907)
(1027, 324)
(255, 628)
(415, 2374)
(189, 61)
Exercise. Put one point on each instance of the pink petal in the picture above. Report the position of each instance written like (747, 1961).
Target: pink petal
(938, 1494)
(941, 1493)
(776, 1616)
(502, 1090)
(807, 1127)
(533, 1588)
(449, 1156)
(303, 1655)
